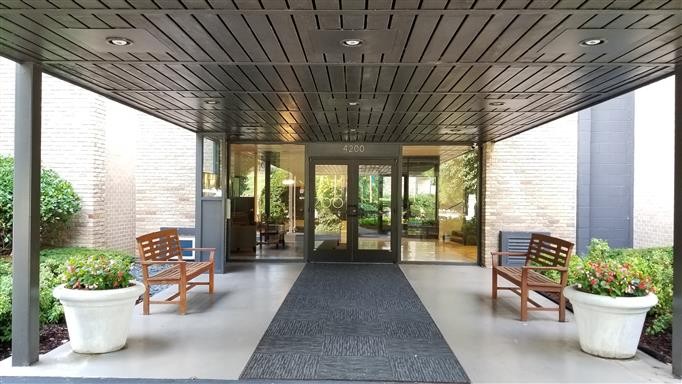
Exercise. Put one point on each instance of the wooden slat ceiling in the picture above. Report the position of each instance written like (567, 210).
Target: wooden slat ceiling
(427, 71)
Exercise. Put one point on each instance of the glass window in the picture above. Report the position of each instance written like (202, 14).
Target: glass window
(374, 203)
(439, 189)
(330, 197)
(267, 185)
(212, 165)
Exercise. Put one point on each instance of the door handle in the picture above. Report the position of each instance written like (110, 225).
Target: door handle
(352, 210)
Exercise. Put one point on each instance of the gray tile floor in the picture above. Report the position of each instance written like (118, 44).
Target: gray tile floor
(218, 335)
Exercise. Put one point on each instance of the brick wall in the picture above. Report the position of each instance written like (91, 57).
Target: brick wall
(6, 106)
(73, 145)
(119, 192)
(531, 183)
(134, 173)
(164, 176)
(654, 164)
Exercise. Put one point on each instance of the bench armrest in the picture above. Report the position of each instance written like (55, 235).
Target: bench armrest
(211, 251)
(499, 255)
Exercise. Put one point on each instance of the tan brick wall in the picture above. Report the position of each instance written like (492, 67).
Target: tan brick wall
(654, 164)
(6, 106)
(164, 176)
(119, 194)
(531, 183)
(73, 145)
(133, 172)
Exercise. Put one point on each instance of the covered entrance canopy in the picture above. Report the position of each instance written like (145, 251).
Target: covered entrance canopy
(434, 71)
(328, 70)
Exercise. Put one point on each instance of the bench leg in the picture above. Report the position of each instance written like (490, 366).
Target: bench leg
(182, 304)
(562, 307)
(494, 284)
(210, 279)
(145, 301)
(524, 302)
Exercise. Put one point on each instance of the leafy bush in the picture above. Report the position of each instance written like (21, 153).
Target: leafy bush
(59, 203)
(656, 264)
(610, 278)
(97, 272)
(52, 265)
(50, 309)
(5, 301)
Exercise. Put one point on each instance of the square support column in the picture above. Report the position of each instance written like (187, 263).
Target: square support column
(26, 231)
(677, 230)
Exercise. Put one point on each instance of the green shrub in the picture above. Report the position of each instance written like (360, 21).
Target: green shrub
(5, 301)
(97, 272)
(655, 264)
(611, 278)
(50, 309)
(52, 265)
(59, 203)
(63, 254)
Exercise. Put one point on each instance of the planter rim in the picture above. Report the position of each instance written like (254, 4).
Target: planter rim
(62, 293)
(647, 301)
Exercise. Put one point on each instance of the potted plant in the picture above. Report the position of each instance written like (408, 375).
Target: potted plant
(98, 296)
(610, 302)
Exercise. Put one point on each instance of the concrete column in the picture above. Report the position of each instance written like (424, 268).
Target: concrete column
(677, 230)
(26, 234)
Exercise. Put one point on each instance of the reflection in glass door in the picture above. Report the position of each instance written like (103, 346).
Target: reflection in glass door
(374, 206)
(352, 207)
(330, 209)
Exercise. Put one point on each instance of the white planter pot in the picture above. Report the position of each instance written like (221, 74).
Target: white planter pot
(609, 326)
(98, 321)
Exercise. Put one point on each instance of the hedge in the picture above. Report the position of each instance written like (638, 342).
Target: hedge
(657, 263)
(51, 265)
(59, 203)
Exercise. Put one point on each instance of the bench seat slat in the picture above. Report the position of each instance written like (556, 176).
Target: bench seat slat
(193, 269)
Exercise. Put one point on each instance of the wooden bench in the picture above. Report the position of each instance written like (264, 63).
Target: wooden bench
(163, 248)
(545, 253)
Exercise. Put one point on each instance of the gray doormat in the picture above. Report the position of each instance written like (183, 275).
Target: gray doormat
(353, 322)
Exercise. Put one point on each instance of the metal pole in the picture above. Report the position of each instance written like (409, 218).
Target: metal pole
(480, 202)
(26, 232)
(677, 230)
(266, 189)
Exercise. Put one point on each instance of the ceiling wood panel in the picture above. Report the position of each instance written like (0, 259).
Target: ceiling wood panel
(431, 81)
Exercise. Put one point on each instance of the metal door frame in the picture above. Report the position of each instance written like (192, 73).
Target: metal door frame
(352, 253)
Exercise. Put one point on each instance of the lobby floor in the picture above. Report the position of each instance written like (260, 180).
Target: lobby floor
(412, 250)
(219, 334)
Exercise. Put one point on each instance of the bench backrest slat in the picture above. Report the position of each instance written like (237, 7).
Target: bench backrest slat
(548, 251)
(160, 246)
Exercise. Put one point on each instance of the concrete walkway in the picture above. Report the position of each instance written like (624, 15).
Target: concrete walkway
(218, 335)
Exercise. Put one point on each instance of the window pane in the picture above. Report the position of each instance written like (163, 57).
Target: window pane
(210, 180)
(439, 187)
(331, 182)
(374, 207)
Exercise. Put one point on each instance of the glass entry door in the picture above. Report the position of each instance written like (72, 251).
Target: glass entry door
(352, 210)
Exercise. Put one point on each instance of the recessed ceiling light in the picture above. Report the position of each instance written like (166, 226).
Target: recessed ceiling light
(353, 103)
(211, 102)
(119, 41)
(592, 42)
(496, 103)
(351, 43)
